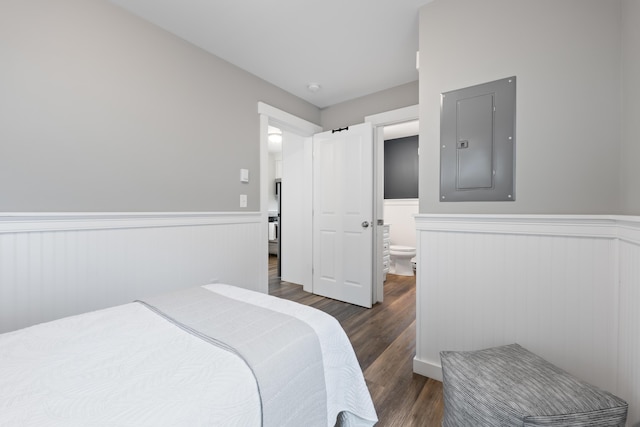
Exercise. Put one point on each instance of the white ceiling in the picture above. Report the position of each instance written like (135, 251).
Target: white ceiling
(351, 48)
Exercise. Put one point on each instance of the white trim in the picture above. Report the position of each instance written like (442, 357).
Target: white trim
(379, 272)
(402, 202)
(596, 226)
(263, 263)
(427, 369)
(615, 289)
(39, 222)
(273, 116)
(629, 229)
(289, 121)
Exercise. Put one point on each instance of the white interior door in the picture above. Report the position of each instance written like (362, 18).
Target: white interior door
(343, 214)
(296, 208)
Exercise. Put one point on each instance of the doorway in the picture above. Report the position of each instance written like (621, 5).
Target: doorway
(287, 122)
(293, 169)
(380, 122)
(274, 198)
(401, 181)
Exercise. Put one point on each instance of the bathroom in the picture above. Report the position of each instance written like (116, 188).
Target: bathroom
(401, 194)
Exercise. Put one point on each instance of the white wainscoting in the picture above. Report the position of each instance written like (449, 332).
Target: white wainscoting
(56, 265)
(565, 287)
(629, 317)
(399, 214)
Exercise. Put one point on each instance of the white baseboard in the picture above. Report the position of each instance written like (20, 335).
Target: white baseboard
(427, 369)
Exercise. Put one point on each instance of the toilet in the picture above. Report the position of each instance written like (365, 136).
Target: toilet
(401, 260)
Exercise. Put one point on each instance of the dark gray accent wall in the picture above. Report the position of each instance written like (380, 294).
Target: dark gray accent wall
(401, 168)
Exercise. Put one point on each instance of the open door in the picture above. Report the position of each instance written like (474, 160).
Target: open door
(296, 208)
(343, 214)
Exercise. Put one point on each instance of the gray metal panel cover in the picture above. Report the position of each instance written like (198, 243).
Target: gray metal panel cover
(474, 146)
(477, 135)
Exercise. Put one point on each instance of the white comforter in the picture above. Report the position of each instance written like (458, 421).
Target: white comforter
(126, 366)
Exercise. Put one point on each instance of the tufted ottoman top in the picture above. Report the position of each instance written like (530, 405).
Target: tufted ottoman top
(510, 386)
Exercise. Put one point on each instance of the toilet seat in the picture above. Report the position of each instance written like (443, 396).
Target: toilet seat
(400, 248)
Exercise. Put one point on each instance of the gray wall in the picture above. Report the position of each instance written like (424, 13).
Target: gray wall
(401, 168)
(101, 111)
(630, 180)
(353, 112)
(566, 56)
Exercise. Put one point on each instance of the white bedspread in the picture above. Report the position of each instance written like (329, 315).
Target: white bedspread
(126, 366)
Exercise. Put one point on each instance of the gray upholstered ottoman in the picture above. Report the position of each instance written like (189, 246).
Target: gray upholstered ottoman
(510, 386)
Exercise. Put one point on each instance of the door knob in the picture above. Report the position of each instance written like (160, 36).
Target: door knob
(365, 224)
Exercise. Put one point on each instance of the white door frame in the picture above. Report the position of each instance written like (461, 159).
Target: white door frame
(275, 117)
(379, 121)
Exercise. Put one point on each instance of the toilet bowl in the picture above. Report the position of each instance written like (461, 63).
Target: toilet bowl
(401, 260)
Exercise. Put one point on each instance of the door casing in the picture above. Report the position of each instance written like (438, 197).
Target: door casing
(287, 122)
(379, 121)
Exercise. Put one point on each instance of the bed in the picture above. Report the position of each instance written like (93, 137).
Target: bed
(215, 355)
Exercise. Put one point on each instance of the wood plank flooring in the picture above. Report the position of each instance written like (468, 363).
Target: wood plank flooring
(383, 338)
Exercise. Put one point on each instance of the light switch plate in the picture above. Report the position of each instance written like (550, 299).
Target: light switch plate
(244, 175)
(243, 200)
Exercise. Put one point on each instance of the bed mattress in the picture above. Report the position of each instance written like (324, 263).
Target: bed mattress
(135, 365)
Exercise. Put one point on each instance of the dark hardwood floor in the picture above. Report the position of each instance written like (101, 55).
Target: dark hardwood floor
(383, 338)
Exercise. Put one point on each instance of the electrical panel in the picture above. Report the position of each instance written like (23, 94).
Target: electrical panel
(477, 142)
